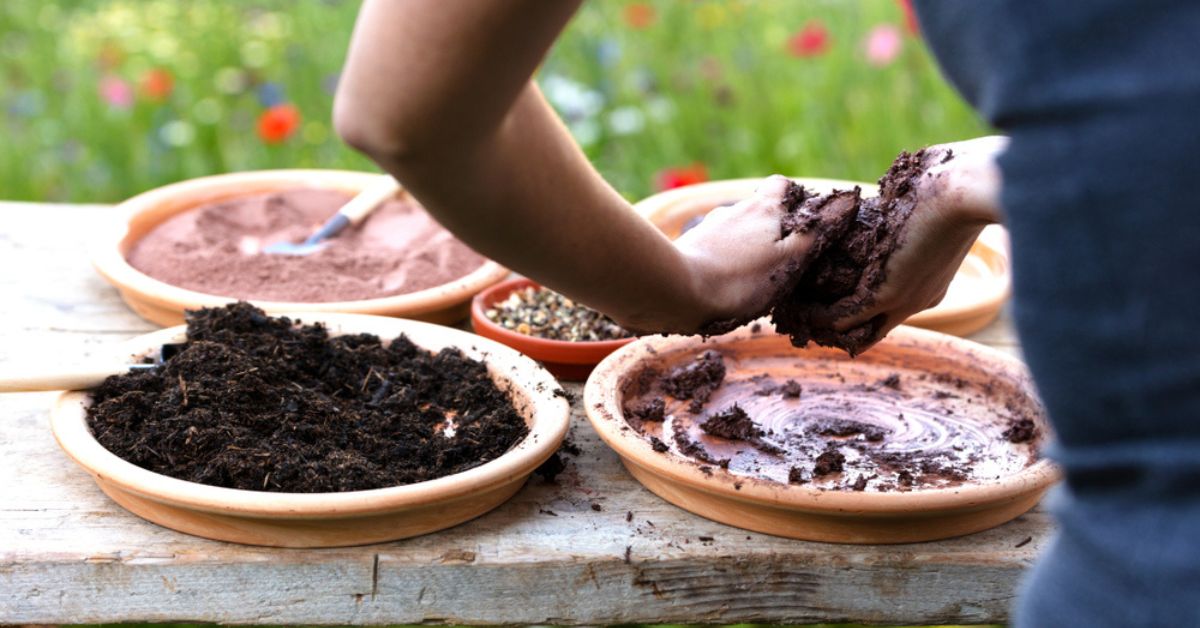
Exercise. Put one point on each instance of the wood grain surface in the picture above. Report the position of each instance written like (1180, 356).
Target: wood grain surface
(69, 555)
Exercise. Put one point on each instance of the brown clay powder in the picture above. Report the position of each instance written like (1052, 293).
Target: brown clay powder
(217, 249)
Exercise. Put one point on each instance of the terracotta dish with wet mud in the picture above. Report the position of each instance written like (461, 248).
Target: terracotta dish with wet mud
(923, 437)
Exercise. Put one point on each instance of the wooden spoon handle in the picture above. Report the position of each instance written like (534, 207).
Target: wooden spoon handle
(66, 377)
(371, 197)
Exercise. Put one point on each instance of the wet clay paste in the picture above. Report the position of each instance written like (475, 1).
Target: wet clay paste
(834, 424)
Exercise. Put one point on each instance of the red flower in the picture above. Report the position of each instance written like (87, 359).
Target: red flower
(156, 84)
(679, 176)
(277, 123)
(810, 41)
(910, 17)
(639, 15)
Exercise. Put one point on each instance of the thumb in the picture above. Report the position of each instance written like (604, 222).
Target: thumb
(846, 314)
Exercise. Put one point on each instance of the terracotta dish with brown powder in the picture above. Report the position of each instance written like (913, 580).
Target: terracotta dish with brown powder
(217, 249)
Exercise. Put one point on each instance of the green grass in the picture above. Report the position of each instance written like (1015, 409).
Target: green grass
(710, 82)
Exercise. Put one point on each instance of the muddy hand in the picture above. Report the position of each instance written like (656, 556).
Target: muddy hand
(957, 197)
(737, 256)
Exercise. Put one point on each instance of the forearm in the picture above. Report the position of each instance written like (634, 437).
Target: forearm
(526, 196)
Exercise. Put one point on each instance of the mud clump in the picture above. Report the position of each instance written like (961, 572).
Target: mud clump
(1021, 430)
(649, 410)
(734, 424)
(846, 428)
(695, 380)
(829, 462)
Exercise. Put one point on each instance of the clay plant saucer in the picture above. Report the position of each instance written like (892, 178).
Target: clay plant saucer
(745, 485)
(164, 304)
(572, 361)
(331, 519)
(974, 298)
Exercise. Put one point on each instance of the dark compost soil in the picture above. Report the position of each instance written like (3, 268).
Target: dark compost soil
(262, 403)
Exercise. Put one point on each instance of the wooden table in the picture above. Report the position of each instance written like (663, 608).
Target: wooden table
(69, 555)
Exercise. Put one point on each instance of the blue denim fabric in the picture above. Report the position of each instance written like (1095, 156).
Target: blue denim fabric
(1102, 101)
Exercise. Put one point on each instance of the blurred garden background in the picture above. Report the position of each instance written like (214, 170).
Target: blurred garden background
(102, 99)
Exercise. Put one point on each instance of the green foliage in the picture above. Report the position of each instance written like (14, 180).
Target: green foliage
(704, 82)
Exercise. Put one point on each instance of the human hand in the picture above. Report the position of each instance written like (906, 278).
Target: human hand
(955, 199)
(737, 261)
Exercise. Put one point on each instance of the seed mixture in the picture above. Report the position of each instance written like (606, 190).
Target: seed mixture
(543, 313)
(262, 403)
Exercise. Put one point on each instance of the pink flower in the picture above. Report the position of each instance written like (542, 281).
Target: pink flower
(116, 92)
(810, 41)
(883, 44)
(679, 176)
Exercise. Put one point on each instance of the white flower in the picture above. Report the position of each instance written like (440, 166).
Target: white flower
(660, 109)
(573, 100)
(626, 120)
(177, 133)
(586, 132)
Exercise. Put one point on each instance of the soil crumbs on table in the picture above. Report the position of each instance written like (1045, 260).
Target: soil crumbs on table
(264, 403)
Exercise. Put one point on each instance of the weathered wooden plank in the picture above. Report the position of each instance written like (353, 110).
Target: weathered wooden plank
(69, 555)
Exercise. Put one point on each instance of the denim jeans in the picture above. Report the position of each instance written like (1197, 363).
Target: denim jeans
(1102, 102)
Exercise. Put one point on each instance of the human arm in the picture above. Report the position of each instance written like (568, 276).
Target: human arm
(439, 94)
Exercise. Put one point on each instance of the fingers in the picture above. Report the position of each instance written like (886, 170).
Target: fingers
(847, 314)
(795, 245)
(773, 187)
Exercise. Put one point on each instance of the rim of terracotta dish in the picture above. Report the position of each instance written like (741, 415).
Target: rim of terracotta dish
(560, 351)
(546, 413)
(666, 205)
(108, 257)
(602, 401)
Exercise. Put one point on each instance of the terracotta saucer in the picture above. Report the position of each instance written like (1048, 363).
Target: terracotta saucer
(331, 519)
(571, 361)
(973, 300)
(949, 397)
(164, 304)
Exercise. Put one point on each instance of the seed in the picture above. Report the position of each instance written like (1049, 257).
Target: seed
(544, 313)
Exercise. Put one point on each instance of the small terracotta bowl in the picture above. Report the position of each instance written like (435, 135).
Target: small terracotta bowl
(973, 300)
(164, 304)
(806, 511)
(331, 519)
(572, 361)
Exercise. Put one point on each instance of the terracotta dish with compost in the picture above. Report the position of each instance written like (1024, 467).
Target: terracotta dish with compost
(313, 429)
